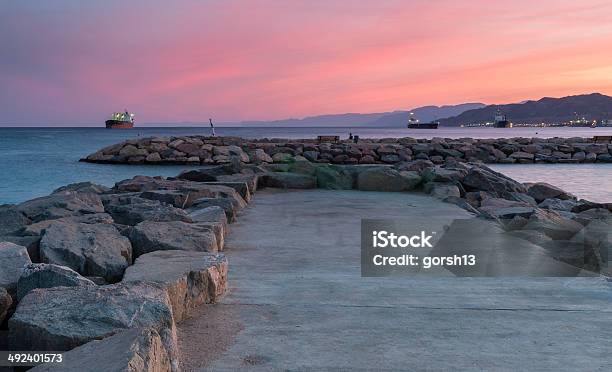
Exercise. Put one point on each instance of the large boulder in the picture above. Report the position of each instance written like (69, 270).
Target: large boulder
(334, 178)
(38, 228)
(289, 180)
(132, 350)
(439, 174)
(190, 278)
(207, 174)
(416, 165)
(13, 258)
(89, 249)
(213, 213)
(558, 204)
(63, 318)
(387, 179)
(442, 190)
(232, 205)
(259, 156)
(251, 179)
(553, 225)
(131, 210)
(48, 276)
(11, 220)
(242, 188)
(505, 209)
(541, 191)
(63, 204)
(480, 178)
(86, 187)
(151, 236)
(5, 303)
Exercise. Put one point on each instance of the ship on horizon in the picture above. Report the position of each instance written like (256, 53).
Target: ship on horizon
(120, 120)
(501, 120)
(413, 123)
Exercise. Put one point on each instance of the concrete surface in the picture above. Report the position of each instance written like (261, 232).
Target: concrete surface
(297, 300)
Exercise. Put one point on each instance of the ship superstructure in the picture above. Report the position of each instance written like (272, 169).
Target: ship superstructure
(120, 120)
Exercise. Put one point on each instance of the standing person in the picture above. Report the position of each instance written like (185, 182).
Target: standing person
(212, 127)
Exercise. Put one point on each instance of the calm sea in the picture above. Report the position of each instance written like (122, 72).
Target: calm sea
(35, 161)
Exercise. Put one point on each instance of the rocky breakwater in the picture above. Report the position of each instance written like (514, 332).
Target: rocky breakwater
(108, 272)
(577, 232)
(199, 150)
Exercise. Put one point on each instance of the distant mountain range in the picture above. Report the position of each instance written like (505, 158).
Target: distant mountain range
(395, 119)
(594, 106)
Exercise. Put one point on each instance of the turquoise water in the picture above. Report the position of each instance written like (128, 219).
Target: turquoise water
(35, 161)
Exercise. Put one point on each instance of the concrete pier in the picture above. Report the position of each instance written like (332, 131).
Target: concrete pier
(297, 301)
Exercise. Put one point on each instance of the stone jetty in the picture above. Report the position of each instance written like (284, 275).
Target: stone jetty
(200, 150)
(91, 270)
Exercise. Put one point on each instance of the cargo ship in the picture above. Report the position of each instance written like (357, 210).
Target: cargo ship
(120, 120)
(501, 121)
(413, 123)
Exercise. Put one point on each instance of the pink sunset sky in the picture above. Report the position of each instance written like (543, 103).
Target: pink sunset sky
(73, 62)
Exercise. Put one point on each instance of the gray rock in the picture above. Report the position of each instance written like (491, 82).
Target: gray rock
(387, 179)
(11, 220)
(552, 224)
(38, 228)
(132, 350)
(311, 155)
(259, 156)
(131, 210)
(335, 178)
(5, 303)
(303, 167)
(506, 209)
(523, 198)
(209, 214)
(190, 278)
(13, 258)
(85, 187)
(89, 249)
(241, 188)
(63, 204)
(63, 318)
(252, 180)
(287, 180)
(175, 235)
(153, 158)
(29, 242)
(438, 174)
(541, 191)
(520, 155)
(442, 190)
(231, 208)
(281, 157)
(480, 178)
(533, 236)
(415, 165)
(589, 215)
(558, 204)
(48, 276)
(208, 174)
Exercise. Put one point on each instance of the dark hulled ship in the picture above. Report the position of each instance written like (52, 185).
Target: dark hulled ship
(120, 120)
(501, 121)
(413, 123)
